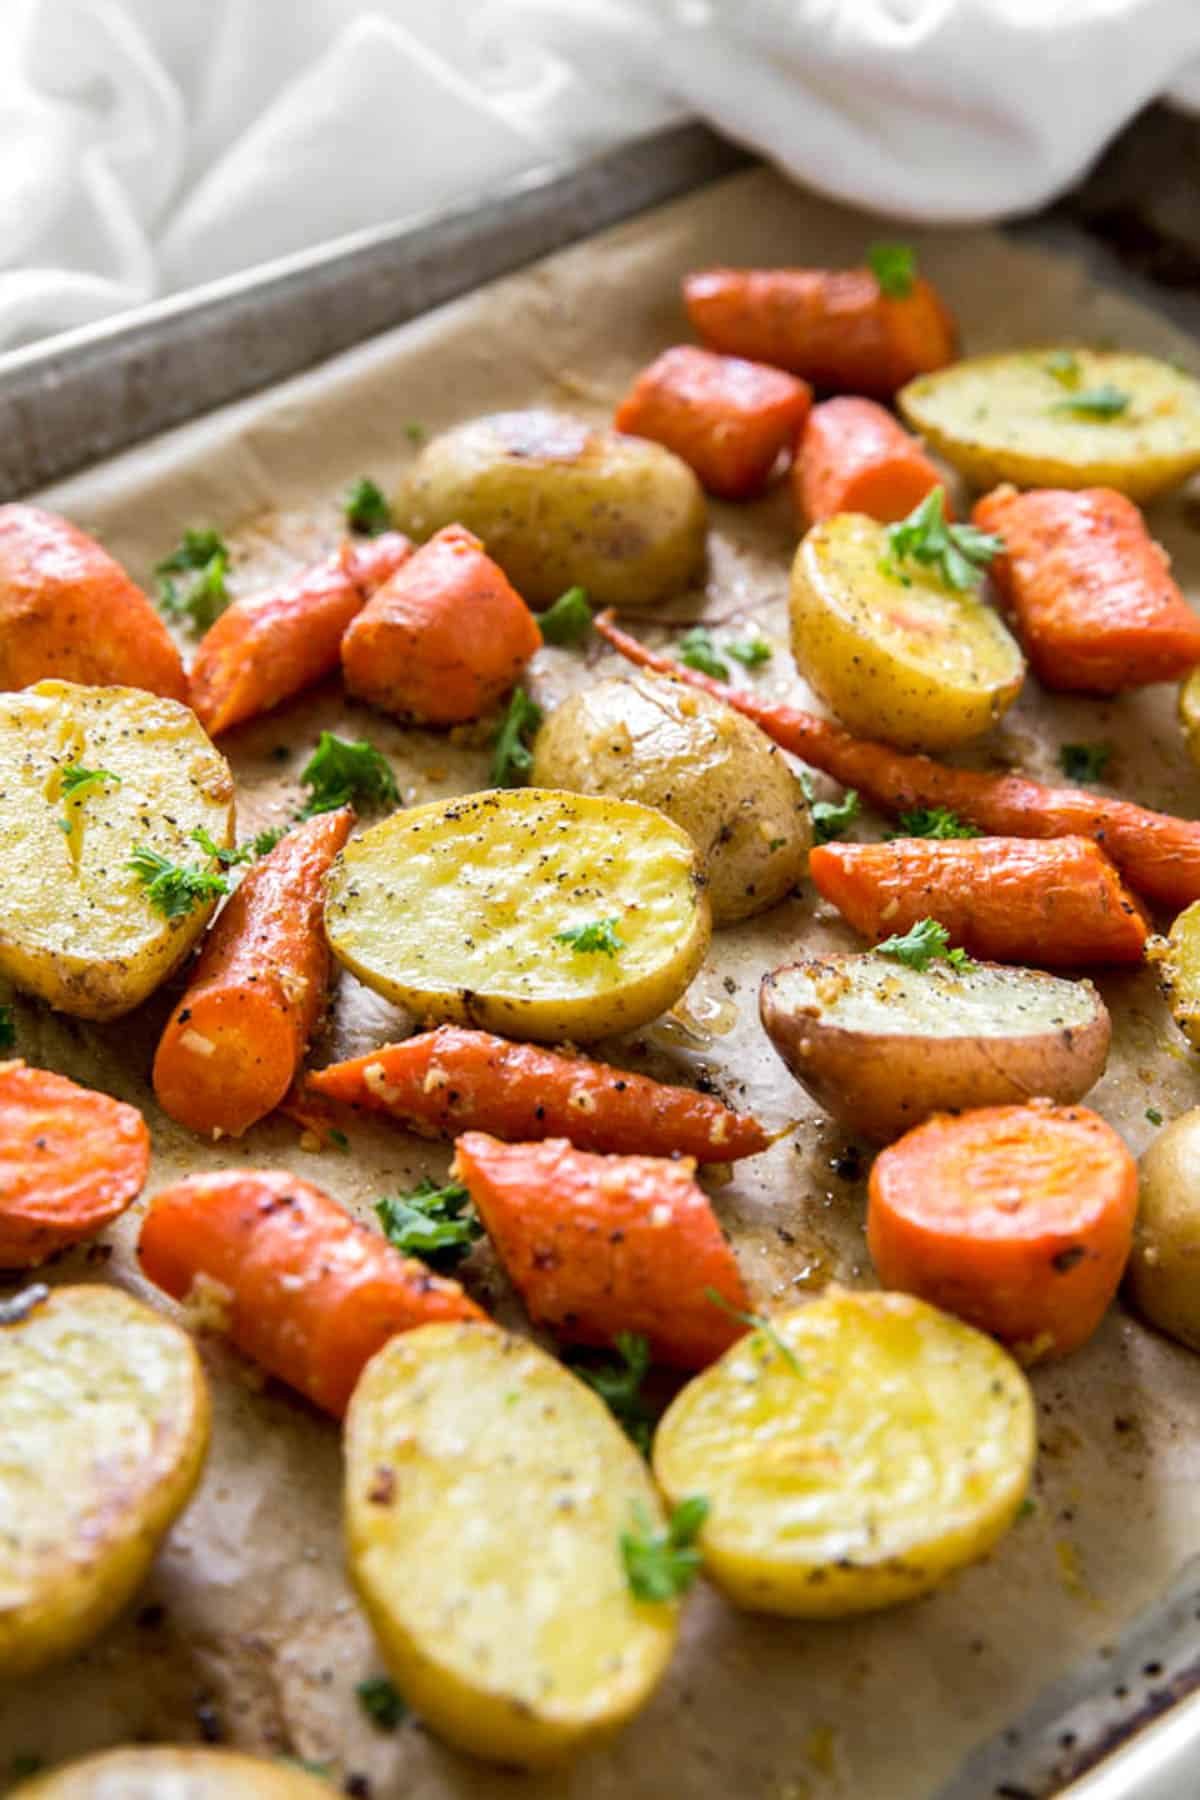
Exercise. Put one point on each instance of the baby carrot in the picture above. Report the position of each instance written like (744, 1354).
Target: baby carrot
(70, 1161)
(67, 609)
(1089, 589)
(1017, 1218)
(444, 639)
(854, 457)
(234, 1042)
(836, 327)
(1158, 854)
(727, 418)
(1057, 904)
(595, 1245)
(271, 645)
(309, 1293)
(452, 1080)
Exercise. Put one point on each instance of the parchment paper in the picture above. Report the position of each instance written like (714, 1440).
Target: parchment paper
(247, 1628)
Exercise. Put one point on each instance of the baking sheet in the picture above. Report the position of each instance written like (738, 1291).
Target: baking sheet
(247, 1629)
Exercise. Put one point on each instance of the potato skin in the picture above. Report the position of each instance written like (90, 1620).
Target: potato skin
(1163, 1276)
(560, 503)
(882, 1077)
(665, 744)
(171, 1772)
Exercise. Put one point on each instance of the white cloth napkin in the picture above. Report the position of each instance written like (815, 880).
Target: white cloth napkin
(148, 145)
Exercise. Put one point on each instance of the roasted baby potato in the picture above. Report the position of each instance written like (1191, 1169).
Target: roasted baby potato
(560, 503)
(1163, 1274)
(853, 1457)
(1189, 713)
(881, 1046)
(166, 1772)
(528, 912)
(1061, 418)
(77, 926)
(486, 1492)
(106, 1416)
(648, 738)
(1177, 960)
(904, 659)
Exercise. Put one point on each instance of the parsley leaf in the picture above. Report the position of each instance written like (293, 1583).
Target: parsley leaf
(382, 1702)
(761, 1326)
(76, 780)
(1063, 366)
(597, 938)
(894, 267)
(1153, 1115)
(415, 432)
(340, 772)
(661, 1564)
(248, 852)
(1103, 402)
(958, 554)
(697, 650)
(569, 620)
(512, 758)
(366, 508)
(918, 947)
(434, 1223)
(750, 652)
(174, 889)
(619, 1385)
(8, 1028)
(829, 817)
(201, 594)
(1084, 762)
(934, 822)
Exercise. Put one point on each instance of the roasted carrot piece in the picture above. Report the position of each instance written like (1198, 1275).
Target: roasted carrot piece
(233, 1044)
(70, 1161)
(452, 1080)
(727, 418)
(1089, 589)
(1017, 1218)
(443, 639)
(68, 609)
(836, 327)
(854, 457)
(595, 1245)
(1055, 905)
(310, 1294)
(268, 646)
(1158, 854)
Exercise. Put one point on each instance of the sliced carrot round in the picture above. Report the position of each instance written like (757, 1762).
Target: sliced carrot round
(1017, 1218)
(70, 1161)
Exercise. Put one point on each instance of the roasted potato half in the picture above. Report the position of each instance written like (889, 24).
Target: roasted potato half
(1189, 713)
(1163, 1275)
(526, 911)
(106, 1416)
(486, 1492)
(880, 1046)
(560, 503)
(1177, 960)
(648, 738)
(1059, 417)
(164, 1772)
(853, 1456)
(77, 926)
(904, 659)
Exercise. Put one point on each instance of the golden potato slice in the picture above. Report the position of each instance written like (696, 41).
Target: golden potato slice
(1163, 1276)
(1189, 713)
(164, 1772)
(528, 912)
(648, 738)
(76, 924)
(1053, 418)
(893, 1445)
(561, 503)
(106, 1413)
(1177, 960)
(486, 1492)
(881, 1046)
(903, 659)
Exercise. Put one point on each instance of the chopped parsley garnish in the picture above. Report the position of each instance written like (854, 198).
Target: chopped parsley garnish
(248, 852)
(382, 1702)
(750, 652)
(434, 1223)
(894, 267)
(934, 822)
(569, 620)
(1153, 1115)
(922, 944)
(8, 1028)
(662, 1564)
(1103, 402)
(761, 1326)
(619, 1385)
(597, 938)
(697, 650)
(1084, 762)
(415, 433)
(829, 817)
(1027, 1507)
(1063, 366)
(958, 554)
(338, 1139)
(341, 773)
(366, 508)
(512, 759)
(191, 581)
(174, 889)
(76, 780)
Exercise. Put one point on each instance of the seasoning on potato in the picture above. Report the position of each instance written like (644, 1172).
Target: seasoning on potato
(1177, 961)
(169, 1772)
(1163, 1277)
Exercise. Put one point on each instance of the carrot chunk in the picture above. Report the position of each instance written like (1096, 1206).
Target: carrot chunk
(233, 1044)
(444, 639)
(854, 457)
(70, 1161)
(836, 327)
(1017, 1218)
(310, 1294)
(595, 1245)
(1089, 590)
(452, 1080)
(68, 609)
(1058, 904)
(727, 418)
(268, 646)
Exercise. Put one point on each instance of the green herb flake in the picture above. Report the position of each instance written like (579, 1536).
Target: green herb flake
(934, 822)
(24, 1764)
(1103, 402)
(569, 620)
(776, 844)
(829, 817)
(248, 852)
(957, 554)
(191, 581)
(366, 508)
(1027, 1507)
(762, 1328)
(598, 938)
(512, 759)
(323, 1770)
(1063, 367)
(8, 1028)
(435, 1223)
(338, 1139)
(174, 889)
(894, 267)
(659, 1565)
(697, 650)
(415, 432)
(918, 946)
(382, 1702)
(619, 1385)
(77, 781)
(750, 652)
(342, 773)
(1084, 762)
(1153, 1115)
